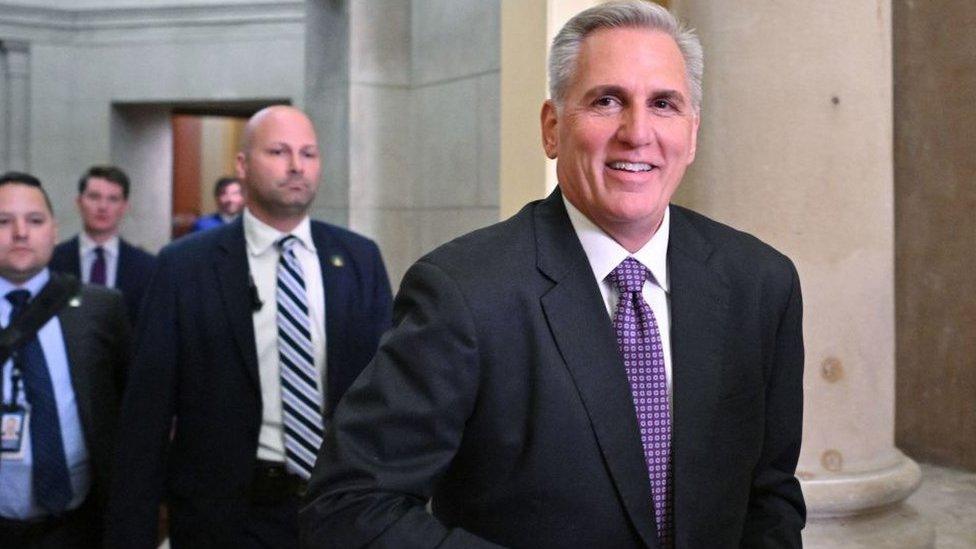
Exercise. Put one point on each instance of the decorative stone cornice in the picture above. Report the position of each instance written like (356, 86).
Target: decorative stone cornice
(47, 18)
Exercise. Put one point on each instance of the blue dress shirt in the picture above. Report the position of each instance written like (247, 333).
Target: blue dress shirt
(16, 486)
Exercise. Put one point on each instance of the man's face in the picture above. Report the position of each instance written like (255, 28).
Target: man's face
(27, 232)
(280, 168)
(625, 133)
(230, 200)
(102, 206)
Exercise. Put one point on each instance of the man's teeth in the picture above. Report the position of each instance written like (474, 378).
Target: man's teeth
(631, 166)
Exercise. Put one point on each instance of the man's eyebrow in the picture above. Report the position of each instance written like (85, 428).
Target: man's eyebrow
(604, 89)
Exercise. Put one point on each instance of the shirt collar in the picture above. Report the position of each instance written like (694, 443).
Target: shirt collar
(260, 236)
(87, 245)
(604, 253)
(33, 285)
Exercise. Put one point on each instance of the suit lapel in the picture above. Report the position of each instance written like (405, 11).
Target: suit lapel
(75, 262)
(121, 269)
(584, 335)
(79, 363)
(230, 265)
(700, 320)
(331, 261)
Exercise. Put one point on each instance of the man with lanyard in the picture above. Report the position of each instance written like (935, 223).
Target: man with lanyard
(63, 349)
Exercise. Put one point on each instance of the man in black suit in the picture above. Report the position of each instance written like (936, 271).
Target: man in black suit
(254, 331)
(601, 370)
(60, 386)
(98, 255)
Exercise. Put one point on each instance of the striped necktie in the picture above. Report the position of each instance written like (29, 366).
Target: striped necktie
(301, 399)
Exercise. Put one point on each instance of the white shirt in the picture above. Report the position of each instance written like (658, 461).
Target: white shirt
(604, 254)
(86, 248)
(262, 259)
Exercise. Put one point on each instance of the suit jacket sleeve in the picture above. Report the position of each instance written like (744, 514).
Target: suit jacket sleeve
(776, 511)
(398, 428)
(146, 420)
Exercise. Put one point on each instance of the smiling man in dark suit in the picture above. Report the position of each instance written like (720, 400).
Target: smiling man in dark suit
(98, 255)
(603, 369)
(252, 333)
(61, 386)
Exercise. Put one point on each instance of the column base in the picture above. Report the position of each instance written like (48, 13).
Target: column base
(896, 527)
(853, 494)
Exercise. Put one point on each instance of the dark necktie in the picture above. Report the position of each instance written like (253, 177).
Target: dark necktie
(52, 485)
(301, 399)
(640, 345)
(97, 274)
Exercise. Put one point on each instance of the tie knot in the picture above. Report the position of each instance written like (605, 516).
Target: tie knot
(286, 242)
(629, 276)
(18, 298)
(99, 252)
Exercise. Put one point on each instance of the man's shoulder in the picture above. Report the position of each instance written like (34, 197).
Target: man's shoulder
(67, 246)
(135, 252)
(340, 235)
(732, 247)
(495, 247)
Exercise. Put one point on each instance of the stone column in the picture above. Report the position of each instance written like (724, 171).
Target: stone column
(327, 101)
(524, 86)
(15, 105)
(796, 148)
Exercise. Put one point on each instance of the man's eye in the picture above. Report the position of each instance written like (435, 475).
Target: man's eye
(662, 104)
(276, 152)
(310, 154)
(606, 101)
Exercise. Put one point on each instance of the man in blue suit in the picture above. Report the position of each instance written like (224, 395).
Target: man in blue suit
(252, 333)
(230, 202)
(98, 255)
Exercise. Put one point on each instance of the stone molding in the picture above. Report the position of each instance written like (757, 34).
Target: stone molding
(90, 19)
(856, 493)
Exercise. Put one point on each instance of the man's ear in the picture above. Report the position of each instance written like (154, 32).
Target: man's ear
(550, 129)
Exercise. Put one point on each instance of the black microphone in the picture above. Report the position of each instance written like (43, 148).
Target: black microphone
(256, 302)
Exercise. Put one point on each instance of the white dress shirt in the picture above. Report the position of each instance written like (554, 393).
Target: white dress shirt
(262, 259)
(86, 248)
(604, 254)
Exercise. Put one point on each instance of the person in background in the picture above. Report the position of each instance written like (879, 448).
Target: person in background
(230, 202)
(65, 347)
(604, 369)
(254, 331)
(98, 255)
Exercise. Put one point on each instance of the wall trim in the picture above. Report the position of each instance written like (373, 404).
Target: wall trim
(283, 11)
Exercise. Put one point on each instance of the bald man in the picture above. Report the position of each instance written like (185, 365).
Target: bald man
(250, 335)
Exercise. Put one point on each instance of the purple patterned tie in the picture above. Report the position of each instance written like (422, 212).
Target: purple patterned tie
(640, 344)
(97, 273)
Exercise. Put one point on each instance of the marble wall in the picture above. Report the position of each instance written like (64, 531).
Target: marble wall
(421, 138)
(95, 70)
(935, 196)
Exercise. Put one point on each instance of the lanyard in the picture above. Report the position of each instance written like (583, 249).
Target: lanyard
(16, 382)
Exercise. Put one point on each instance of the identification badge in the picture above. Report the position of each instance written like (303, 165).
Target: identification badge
(13, 426)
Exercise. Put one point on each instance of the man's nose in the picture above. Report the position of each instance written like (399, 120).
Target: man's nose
(297, 162)
(21, 228)
(636, 127)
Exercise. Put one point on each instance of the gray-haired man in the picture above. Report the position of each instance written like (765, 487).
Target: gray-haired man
(601, 370)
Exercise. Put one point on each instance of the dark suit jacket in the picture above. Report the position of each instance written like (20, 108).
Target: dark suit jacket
(196, 361)
(501, 394)
(131, 277)
(97, 337)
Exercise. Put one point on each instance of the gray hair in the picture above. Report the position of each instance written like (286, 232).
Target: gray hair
(564, 53)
